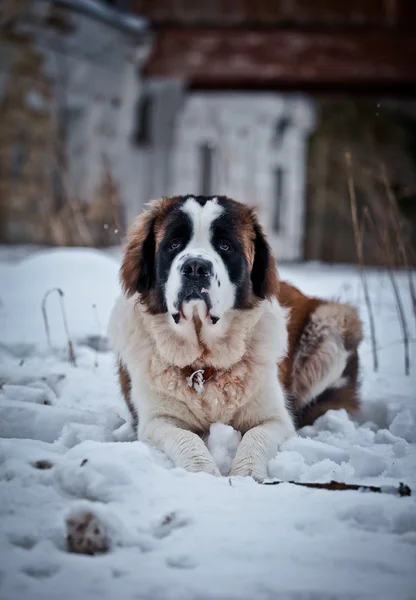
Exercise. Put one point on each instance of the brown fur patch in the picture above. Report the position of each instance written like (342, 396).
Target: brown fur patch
(346, 397)
(144, 231)
(301, 307)
(125, 384)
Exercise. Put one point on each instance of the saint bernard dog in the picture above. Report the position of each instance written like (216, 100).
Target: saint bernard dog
(205, 332)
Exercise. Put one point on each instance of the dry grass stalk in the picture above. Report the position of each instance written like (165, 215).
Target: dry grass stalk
(381, 234)
(358, 236)
(70, 346)
(403, 321)
(399, 236)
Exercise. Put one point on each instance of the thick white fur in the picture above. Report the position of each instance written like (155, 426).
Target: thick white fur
(222, 297)
(245, 347)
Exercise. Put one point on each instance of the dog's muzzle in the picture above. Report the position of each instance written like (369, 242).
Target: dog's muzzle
(196, 275)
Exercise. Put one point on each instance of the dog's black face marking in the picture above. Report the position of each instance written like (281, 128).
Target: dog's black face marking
(177, 236)
(261, 263)
(229, 224)
(225, 239)
(147, 263)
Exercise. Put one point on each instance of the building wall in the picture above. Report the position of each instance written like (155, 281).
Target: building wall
(67, 107)
(253, 148)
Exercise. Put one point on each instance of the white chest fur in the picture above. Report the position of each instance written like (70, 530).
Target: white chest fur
(252, 343)
(221, 396)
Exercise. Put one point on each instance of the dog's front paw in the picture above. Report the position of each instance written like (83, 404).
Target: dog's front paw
(201, 466)
(257, 471)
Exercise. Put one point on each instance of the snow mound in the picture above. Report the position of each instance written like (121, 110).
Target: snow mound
(89, 280)
(223, 442)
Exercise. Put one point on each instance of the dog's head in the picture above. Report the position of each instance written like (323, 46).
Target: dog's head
(200, 255)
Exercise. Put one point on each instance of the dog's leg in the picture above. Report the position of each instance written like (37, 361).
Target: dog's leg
(257, 447)
(272, 426)
(185, 448)
(167, 425)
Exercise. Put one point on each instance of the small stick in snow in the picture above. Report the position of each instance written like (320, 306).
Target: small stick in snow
(402, 490)
(71, 353)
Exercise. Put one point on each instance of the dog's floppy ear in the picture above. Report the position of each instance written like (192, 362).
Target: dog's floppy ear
(138, 268)
(264, 272)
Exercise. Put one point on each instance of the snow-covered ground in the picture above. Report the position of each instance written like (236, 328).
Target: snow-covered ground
(176, 535)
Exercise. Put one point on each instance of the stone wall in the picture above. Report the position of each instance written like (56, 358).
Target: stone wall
(69, 88)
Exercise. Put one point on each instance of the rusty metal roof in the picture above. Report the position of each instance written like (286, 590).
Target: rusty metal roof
(294, 58)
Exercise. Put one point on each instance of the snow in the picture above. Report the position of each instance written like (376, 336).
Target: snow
(88, 278)
(176, 535)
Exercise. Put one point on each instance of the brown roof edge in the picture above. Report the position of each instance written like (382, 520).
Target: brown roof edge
(301, 59)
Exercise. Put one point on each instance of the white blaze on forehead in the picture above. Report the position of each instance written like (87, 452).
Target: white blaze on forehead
(202, 218)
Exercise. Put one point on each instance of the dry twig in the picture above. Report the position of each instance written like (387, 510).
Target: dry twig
(71, 353)
(402, 490)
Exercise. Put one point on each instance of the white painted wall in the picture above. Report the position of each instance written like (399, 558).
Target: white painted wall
(241, 127)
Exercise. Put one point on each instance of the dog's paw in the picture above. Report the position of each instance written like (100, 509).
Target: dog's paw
(86, 534)
(198, 466)
(257, 471)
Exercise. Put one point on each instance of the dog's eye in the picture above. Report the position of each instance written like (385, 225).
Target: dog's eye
(175, 244)
(225, 246)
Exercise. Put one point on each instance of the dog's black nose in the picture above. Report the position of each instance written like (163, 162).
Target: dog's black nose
(196, 268)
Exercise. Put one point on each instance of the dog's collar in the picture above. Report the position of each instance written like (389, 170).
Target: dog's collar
(196, 378)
